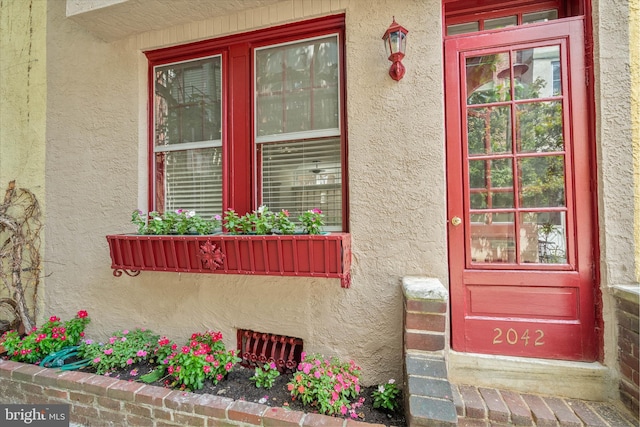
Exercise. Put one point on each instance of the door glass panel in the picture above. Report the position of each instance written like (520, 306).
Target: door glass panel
(487, 80)
(493, 238)
(541, 181)
(543, 237)
(489, 130)
(539, 127)
(494, 179)
(534, 72)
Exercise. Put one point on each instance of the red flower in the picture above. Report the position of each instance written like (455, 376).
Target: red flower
(54, 319)
(82, 314)
(185, 349)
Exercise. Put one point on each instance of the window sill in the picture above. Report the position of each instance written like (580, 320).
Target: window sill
(273, 255)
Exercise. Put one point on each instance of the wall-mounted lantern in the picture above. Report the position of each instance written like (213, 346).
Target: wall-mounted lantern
(395, 43)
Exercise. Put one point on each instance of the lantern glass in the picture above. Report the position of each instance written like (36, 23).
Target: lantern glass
(397, 42)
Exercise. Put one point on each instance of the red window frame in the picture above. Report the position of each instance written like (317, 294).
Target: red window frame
(240, 167)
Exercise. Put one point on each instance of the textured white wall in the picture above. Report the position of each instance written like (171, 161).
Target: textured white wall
(96, 176)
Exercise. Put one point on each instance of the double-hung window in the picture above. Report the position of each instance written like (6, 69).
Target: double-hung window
(251, 119)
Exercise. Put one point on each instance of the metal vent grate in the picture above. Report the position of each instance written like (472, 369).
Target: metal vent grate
(258, 348)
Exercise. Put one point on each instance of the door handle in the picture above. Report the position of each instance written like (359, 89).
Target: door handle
(456, 221)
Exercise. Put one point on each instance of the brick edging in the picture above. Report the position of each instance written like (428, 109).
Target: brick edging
(95, 397)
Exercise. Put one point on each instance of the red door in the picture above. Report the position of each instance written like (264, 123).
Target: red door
(521, 228)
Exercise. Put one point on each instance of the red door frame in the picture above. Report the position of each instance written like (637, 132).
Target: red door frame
(583, 260)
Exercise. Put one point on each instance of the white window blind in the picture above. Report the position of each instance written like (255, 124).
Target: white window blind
(188, 129)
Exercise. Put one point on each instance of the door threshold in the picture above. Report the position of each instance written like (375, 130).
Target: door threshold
(576, 380)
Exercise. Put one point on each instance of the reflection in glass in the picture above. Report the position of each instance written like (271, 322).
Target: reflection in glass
(543, 237)
(486, 79)
(467, 27)
(297, 87)
(489, 130)
(491, 183)
(541, 181)
(544, 16)
(493, 238)
(539, 127)
(537, 80)
(507, 21)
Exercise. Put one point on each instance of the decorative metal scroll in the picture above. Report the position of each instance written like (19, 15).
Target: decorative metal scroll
(131, 273)
(211, 256)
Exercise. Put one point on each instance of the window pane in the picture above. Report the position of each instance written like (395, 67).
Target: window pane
(539, 127)
(469, 27)
(303, 175)
(489, 130)
(536, 79)
(491, 184)
(543, 237)
(544, 16)
(507, 21)
(297, 87)
(190, 179)
(188, 102)
(541, 181)
(488, 78)
(493, 238)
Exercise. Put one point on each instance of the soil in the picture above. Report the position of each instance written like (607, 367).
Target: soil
(237, 386)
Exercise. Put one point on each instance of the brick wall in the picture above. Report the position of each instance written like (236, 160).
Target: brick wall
(98, 400)
(628, 325)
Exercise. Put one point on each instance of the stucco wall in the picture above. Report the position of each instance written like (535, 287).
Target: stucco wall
(23, 86)
(634, 36)
(96, 176)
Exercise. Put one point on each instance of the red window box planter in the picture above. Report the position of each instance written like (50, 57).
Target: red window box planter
(275, 255)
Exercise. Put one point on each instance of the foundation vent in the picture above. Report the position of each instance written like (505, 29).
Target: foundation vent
(258, 348)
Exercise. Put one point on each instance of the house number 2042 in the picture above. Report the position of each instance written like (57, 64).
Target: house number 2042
(511, 337)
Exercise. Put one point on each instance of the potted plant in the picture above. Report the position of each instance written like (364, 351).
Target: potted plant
(260, 242)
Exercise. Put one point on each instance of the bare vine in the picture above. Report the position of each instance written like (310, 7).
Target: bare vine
(20, 264)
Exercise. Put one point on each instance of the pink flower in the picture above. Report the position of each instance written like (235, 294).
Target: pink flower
(54, 319)
(82, 314)
(334, 396)
(343, 410)
(141, 353)
(337, 388)
(228, 366)
(96, 360)
(129, 361)
(108, 351)
(307, 368)
(317, 374)
(125, 332)
(134, 372)
(206, 368)
(357, 388)
(219, 377)
(185, 349)
(170, 369)
(209, 358)
(272, 365)
(303, 355)
(216, 363)
(112, 340)
(354, 415)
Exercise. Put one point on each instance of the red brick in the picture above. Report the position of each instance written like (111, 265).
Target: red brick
(280, 417)
(425, 306)
(353, 423)
(112, 418)
(181, 401)
(26, 373)
(189, 420)
(630, 390)
(246, 412)
(520, 414)
(161, 414)
(586, 414)
(457, 400)
(56, 393)
(109, 403)
(98, 385)
(72, 380)
(627, 335)
(425, 322)
(498, 410)
(542, 415)
(563, 413)
(124, 390)
(31, 388)
(84, 411)
(150, 395)
(134, 420)
(7, 367)
(423, 341)
(82, 398)
(317, 420)
(48, 377)
(213, 406)
(473, 404)
(139, 410)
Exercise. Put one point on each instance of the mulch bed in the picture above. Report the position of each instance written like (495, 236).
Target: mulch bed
(237, 386)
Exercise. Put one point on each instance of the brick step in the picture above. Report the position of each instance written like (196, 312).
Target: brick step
(479, 407)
